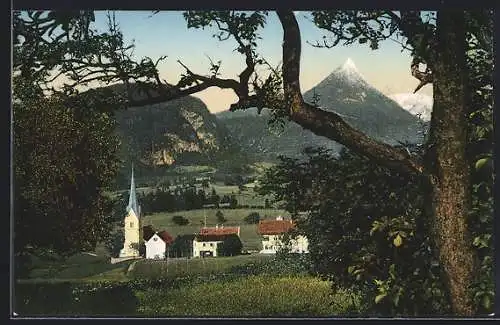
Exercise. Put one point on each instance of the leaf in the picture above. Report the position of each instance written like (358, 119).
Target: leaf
(380, 297)
(398, 241)
(486, 302)
(396, 300)
(480, 163)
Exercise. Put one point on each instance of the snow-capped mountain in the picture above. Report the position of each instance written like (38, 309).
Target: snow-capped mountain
(417, 104)
(346, 92)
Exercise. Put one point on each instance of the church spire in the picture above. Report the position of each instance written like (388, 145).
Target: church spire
(132, 199)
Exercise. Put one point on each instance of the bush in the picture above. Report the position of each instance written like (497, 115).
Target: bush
(231, 246)
(252, 218)
(180, 220)
(75, 299)
(220, 217)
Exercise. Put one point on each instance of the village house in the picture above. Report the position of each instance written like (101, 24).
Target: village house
(272, 232)
(157, 244)
(206, 241)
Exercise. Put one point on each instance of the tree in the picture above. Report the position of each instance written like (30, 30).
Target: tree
(440, 43)
(65, 155)
(364, 229)
(252, 218)
(230, 246)
(233, 202)
(220, 217)
(181, 246)
(148, 232)
(180, 220)
(114, 243)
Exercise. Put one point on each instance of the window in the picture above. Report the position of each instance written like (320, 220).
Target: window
(204, 244)
(155, 238)
(211, 244)
(265, 238)
(131, 225)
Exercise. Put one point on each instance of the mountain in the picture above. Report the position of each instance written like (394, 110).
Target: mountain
(179, 131)
(346, 92)
(416, 104)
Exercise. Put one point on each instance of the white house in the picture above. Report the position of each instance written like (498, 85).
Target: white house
(132, 224)
(156, 246)
(206, 241)
(272, 232)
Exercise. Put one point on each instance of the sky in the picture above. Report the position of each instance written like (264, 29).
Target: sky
(166, 34)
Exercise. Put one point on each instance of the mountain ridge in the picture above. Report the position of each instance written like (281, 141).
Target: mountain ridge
(344, 91)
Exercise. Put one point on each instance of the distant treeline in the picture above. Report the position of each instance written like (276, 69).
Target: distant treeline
(164, 200)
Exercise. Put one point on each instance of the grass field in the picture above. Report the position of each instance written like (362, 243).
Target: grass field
(189, 288)
(79, 267)
(174, 268)
(248, 233)
(255, 296)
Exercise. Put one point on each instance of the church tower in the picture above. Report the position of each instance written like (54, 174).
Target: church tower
(132, 223)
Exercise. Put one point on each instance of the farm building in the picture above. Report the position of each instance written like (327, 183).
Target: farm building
(156, 246)
(272, 232)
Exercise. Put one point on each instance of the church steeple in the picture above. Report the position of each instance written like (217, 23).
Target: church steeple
(132, 199)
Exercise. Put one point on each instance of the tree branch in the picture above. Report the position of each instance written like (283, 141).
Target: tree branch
(325, 123)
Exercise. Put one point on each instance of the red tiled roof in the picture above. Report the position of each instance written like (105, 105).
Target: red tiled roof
(274, 227)
(205, 238)
(219, 231)
(167, 238)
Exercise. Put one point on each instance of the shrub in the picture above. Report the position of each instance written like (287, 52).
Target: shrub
(231, 246)
(180, 220)
(220, 217)
(252, 218)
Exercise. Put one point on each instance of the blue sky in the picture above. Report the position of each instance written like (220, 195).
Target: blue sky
(166, 33)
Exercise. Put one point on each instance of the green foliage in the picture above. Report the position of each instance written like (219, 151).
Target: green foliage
(180, 220)
(365, 229)
(220, 217)
(182, 246)
(75, 299)
(230, 246)
(65, 154)
(252, 218)
(263, 295)
(480, 151)
(114, 242)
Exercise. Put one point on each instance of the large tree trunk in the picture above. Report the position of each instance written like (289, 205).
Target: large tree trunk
(447, 163)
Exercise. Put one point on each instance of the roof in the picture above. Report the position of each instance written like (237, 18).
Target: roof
(219, 231)
(205, 238)
(132, 199)
(274, 227)
(167, 238)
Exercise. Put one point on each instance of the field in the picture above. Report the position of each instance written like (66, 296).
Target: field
(255, 296)
(196, 266)
(240, 286)
(79, 267)
(249, 237)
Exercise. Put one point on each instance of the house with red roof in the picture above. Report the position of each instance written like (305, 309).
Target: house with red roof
(273, 231)
(157, 244)
(208, 238)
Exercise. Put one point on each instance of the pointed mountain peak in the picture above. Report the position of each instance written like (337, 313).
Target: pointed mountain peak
(349, 65)
(348, 71)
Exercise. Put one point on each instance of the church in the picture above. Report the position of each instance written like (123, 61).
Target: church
(132, 223)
